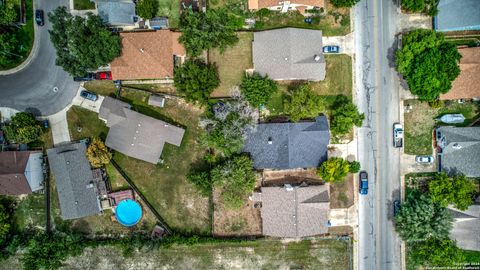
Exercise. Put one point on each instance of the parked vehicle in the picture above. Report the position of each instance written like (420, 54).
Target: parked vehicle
(363, 187)
(397, 135)
(89, 95)
(396, 207)
(86, 77)
(103, 75)
(424, 159)
(331, 49)
(45, 124)
(39, 17)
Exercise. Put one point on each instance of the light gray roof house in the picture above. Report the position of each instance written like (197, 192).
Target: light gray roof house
(294, 212)
(457, 15)
(289, 54)
(137, 135)
(466, 227)
(288, 145)
(116, 12)
(74, 181)
(460, 150)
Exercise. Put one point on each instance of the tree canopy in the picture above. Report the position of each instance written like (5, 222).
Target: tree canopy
(5, 223)
(146, 9)
(428, 63)
(82, 44)
(435, 252)
(8, 12)
(303, 103)
(334, 169)
(344, 117)
(258, 89)
(236, 179)
(214, 28)
(196, 80)
(344, 3)
(420, 218)
(428, 7)
(8, 42)
(22, 128)
(456, 190)
(98, 154)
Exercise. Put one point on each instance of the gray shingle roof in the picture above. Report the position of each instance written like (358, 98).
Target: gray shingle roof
(116, 13)
(73, 177)
(137, 135)
(300, 212)
(293, 145)
(289, 54)
(460, 149)
(458, 15)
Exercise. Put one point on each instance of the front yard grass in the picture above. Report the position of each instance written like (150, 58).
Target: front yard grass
(83, 123)
(232, 63)
(83, 4)
(171, 9)
(101, 87)
(420, 122)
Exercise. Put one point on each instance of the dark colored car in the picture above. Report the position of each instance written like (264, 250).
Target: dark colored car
(331, 49)
(396, 207)
(104, 75)
(363, 183)
(39, 17)
(88, 95)
(45, 124)
(86, 77)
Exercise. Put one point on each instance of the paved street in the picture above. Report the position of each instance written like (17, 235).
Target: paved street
(377, 96)
(42, 87)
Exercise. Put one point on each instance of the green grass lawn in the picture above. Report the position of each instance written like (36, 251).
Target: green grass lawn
(83, 4)
(117, 181)
(101, 87)
(420, 122)
(171, 9)
(232, 64)
(30, 212)
(83, 123)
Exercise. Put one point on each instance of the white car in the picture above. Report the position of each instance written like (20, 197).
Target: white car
(424, 159)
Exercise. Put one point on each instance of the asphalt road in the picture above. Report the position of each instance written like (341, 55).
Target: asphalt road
(377, 96)
(41, 87)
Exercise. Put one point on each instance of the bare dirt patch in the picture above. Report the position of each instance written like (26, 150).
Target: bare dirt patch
(341, 194)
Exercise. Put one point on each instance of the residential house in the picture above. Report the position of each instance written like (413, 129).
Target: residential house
(467, 84)
(459, 150)
(147, 55)
(457, 15)
(21, 172)
(137, 135)
(289, 54)
(284, 6)
(117, 13)
(75, 183)
(294, 212)
(288, 145)
(466, 227)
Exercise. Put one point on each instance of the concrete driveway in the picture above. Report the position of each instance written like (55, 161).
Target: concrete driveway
(41, 88)
(345, 43)
(409, 165)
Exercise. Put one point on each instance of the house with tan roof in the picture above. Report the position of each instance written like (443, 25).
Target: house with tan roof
(467, 84)
(147, 55)
(285, 6)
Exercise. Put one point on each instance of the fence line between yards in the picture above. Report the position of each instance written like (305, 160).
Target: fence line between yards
(160, 220)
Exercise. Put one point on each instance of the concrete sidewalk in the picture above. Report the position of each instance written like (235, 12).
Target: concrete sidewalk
(59, 126)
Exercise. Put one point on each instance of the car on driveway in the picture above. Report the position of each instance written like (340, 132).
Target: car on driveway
(424, 159)
(39, 17)
(104, 75)
(88, 95)
(363, 186)
(331, 49)
(86, 77)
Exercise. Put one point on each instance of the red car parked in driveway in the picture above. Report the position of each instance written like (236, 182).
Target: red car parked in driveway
(104, 75)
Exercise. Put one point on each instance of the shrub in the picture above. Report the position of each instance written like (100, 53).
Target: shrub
(344, 3)
(22, 128)
(436, 104)
(354, 167)
(98, 154)
(344, 117)
(196, 80)
(257, 89)
(303, 103)
(201, 180)
(457, 190)
(147, 9)
(333, 170)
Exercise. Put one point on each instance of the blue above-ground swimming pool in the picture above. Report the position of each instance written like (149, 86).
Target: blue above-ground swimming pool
(128, 212)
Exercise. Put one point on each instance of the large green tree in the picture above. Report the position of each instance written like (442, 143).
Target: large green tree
(420, 218)
(82, 44)
(428, 63)
(344, 117)
(8, 12)
(334, 169)
(457, 190)
(303, 103)
(344, 3)
(428, 7)
(196, 80)
(236, 179)
(8, 49)
(435, 252)
(146, 9)
(258, 89)
(214, 28)
(22, 128)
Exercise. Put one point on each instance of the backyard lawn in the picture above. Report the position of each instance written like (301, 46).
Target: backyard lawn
(30, 211)
(420, 121)
(83, 4)
(232, 64)
(171, 9)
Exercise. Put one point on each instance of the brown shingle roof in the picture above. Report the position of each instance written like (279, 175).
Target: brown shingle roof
(467, 84)
(146, 55)
(12, 173)
(259, 4)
